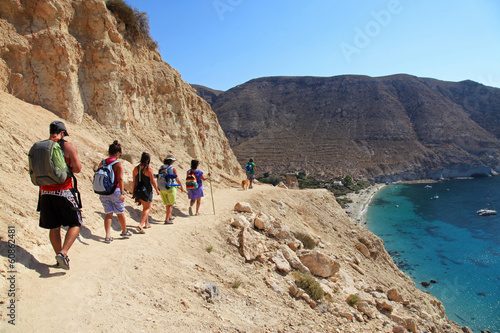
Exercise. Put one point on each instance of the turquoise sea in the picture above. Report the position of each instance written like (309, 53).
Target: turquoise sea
(432, 232)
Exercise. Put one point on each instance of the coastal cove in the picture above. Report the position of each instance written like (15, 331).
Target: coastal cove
(432, 232)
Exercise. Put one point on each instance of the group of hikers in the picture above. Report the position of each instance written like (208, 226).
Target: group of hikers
(52, 165)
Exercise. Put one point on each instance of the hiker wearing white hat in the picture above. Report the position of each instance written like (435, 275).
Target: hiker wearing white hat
(168, 181)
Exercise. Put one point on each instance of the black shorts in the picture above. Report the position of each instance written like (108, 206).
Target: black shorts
(59, 208)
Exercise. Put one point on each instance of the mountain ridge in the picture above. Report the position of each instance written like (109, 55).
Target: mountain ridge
(397, 127)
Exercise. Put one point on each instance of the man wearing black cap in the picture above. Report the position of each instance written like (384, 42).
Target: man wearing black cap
(58, 203)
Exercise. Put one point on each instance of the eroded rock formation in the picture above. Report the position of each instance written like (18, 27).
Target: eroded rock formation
(71, 58)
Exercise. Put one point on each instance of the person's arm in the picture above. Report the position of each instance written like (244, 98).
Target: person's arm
(98, 166)
(71, 152)
(153, 181)
(203, 177)
(174, 170)
(134, 174)
(118, 169)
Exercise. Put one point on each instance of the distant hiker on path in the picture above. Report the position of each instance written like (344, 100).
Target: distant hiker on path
(167, 179)
(58, 202)
(144, 181)
(194, 185)
(113, 202)
(251, 171)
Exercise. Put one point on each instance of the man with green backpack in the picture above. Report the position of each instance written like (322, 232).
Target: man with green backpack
(251, 171)
(52, 164)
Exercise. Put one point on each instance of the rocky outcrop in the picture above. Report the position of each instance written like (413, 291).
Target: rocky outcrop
(390, 128)
(339, 284)
(71, 57)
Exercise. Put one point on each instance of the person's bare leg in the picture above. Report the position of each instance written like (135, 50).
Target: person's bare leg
(55, 239)
(107, 224)
(169, 212)
(123, 223)
(198, 204)
(70, 238)
(146, 208)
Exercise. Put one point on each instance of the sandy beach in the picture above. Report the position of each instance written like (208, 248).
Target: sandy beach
(360, 202)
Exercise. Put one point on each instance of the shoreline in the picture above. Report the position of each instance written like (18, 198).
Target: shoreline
(361, 201)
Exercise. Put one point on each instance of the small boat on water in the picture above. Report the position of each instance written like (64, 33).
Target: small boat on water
(486, 212)
(435, 197)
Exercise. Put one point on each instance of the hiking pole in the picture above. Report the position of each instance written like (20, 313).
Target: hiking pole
(211, 191)
(210, 178)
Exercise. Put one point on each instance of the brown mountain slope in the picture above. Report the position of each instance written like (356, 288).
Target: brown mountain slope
(210, 95)
(387, 128)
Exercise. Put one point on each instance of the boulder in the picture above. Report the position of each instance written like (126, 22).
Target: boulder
(294, 244)
(384, 305)
(243, 207)
(252, 244)
(318, 263)
(425, 284)
(363, 249)
(296, 291)
(261, 221)
(367, 309)
(280, 230)
(281, 263)
(398, 329)
(293, 259)
(348, 315)
(273, 284)
(357, 268)
(394, 295)
(240, 222)
(411, 325)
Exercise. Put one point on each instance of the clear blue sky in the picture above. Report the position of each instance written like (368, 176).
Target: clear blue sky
(223, 43)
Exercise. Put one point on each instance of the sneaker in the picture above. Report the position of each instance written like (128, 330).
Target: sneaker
(190, 210)
(62, 260)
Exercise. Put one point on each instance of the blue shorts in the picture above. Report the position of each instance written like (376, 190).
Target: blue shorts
(250, 176)
(112, 203)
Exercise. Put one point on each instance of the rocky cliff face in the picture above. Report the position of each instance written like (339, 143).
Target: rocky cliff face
(388, 128)
(70, 57)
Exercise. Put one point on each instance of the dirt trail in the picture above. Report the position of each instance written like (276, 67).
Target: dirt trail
(139, 283)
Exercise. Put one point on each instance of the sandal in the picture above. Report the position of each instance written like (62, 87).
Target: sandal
(140, 230)
(168, 221)
(62, 260)
(108, 240)
(126, 234)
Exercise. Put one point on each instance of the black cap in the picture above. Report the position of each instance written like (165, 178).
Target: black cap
(58, 126)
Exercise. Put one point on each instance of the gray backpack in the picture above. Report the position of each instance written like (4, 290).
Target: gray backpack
(46, 163)
(166, 177)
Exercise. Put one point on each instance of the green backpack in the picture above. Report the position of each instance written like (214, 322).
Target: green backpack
(46, 163)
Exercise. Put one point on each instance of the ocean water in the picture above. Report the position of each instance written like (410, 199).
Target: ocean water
(443, 239)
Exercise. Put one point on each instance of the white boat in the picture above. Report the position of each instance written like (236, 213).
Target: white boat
(486, 212)
(435, 197)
